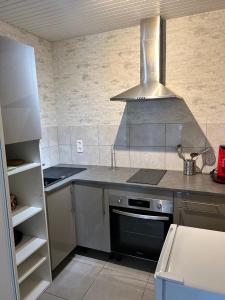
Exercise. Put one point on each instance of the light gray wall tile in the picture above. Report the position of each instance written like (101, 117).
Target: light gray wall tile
(215, 134)
(113, 134)
(122, 155)
(64, 135)
(186, 134)
(90, 156)
(65, 154)
(147, 157)
(172, 161)
(44, 137)
(105, 155)
(54, 155)
(147, 135)
(52, 136)
(88, 134)
(45, 157)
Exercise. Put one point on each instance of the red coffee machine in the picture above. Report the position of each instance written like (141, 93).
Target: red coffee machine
(218, 174)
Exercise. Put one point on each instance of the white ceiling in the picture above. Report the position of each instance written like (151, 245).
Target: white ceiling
(61, 19)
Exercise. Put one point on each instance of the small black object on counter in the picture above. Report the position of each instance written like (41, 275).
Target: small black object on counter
(217, 178)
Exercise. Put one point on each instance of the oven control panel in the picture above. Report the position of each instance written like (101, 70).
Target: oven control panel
(141, 202)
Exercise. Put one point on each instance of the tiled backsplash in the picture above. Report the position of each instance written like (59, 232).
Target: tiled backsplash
(135, 145)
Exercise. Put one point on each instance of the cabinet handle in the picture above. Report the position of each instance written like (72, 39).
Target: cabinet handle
(103, 201)
(180, 217)
(72, 198)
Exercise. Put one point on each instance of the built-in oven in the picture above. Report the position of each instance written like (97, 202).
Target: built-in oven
(139, 225)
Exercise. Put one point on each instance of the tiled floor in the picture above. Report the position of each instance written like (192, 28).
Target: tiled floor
(92, 279)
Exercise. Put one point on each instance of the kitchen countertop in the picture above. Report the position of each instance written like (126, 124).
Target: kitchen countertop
(172, 180)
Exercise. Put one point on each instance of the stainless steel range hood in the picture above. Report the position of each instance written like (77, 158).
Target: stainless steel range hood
(151, 86)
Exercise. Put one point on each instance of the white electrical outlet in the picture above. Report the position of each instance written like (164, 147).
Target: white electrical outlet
(80, 147)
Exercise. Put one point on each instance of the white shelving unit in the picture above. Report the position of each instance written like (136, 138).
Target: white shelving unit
(29, 266)
(27, 247)
(23, 213)
(32, 253)
(23, 168)
(31, 289)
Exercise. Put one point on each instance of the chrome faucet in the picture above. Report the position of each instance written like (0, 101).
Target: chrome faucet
(113, 157)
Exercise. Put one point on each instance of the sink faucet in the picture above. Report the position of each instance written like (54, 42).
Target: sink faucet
(113, 158)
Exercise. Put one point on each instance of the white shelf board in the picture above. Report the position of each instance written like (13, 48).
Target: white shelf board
(27, 247)
(29, 266)
(23, 168)
(31, 289)
(23, 213)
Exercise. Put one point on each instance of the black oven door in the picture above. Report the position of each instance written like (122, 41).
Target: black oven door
(138, 233)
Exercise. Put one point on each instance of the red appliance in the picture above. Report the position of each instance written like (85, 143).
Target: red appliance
(221, 162)
(218, 175)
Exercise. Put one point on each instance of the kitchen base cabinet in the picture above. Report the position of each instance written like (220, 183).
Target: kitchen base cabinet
(92, 217)
(61, 224)
(199, 210)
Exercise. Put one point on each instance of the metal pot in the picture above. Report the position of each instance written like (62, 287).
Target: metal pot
(189, 167)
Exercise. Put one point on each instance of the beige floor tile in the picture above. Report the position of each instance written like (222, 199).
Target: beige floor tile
(89, 260)
(126, 271)
(74, 281)
(151, 278)
(113, 285)
(46, 296)
(149, 293)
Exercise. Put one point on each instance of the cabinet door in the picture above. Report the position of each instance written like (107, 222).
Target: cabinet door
(195, 213)
(18, 92)
(61, 224)
(92, 217)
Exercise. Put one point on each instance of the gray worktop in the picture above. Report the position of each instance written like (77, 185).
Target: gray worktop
(172, 180)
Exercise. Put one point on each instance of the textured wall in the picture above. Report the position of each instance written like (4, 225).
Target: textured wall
(88, 70)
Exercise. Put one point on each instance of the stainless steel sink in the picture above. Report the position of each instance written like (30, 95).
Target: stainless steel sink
(55, 174)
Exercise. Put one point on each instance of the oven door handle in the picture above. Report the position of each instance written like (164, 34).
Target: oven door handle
(144, 217)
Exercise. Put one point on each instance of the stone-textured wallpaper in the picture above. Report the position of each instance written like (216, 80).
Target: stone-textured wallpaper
(76, 78)
(89, 70)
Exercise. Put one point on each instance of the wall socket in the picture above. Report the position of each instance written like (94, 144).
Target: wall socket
(80, 147)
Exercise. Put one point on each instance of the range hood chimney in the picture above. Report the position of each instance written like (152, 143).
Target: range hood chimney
(151, 66)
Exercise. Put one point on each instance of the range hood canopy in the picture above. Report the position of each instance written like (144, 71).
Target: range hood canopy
(151, 66)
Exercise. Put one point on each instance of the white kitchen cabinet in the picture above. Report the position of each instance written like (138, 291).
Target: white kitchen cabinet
(92, 217)
(18, 92)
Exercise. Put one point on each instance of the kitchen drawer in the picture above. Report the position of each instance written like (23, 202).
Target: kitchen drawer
(197, 198)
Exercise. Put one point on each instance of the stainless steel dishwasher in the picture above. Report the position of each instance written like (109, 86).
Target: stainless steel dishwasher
(61, 224)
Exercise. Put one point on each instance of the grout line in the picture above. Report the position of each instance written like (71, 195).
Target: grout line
(91, 285)
(142, 296)
(49, 293)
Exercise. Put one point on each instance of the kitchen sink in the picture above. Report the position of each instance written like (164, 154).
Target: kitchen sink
(55, 174)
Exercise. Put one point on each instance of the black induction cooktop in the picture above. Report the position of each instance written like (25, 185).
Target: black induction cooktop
(55, 174)
(147, 176)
